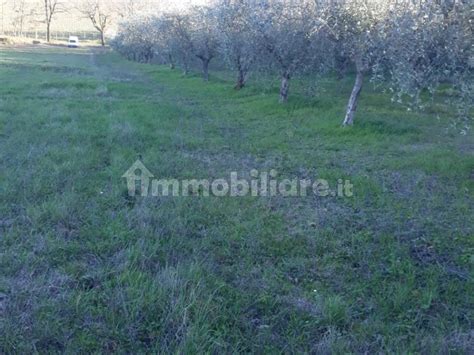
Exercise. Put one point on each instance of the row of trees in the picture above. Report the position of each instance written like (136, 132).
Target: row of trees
(413, 46)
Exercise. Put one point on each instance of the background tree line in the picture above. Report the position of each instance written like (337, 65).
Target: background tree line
(413, 47)
(22, 17)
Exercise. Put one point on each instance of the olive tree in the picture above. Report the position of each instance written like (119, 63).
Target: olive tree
(288, 32)
(127, 9)
(430, 44)
(204, 36)
(135, 40)
(411, 46)
(179, 39)
(237, 42)
(358, 29)
(159, 29)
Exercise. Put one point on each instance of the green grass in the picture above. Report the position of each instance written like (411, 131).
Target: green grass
(85, 268)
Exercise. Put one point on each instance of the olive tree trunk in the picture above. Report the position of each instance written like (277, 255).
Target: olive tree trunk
(240, 79)
(48, 32)
(205, 68)
(354, 99)
(47, 21)
(171, 62)
(102, 38)
(285, 87)
(241, 75)
(185, 66)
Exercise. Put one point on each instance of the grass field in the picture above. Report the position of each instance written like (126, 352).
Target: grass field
(86, 268)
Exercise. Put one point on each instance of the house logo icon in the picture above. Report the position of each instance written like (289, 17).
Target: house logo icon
(139, 175)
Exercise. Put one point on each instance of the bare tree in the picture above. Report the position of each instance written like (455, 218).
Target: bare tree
(2, 8)
(99, 13)
(51, 8)
(20, 16)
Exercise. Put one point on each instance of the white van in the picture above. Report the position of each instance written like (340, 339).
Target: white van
(73, 42)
